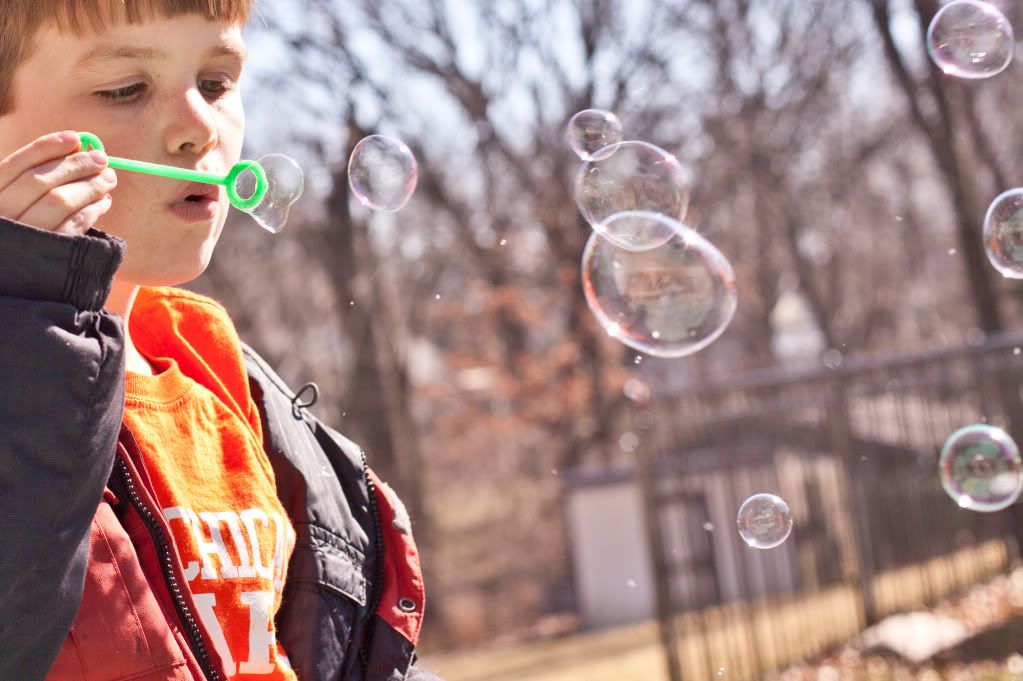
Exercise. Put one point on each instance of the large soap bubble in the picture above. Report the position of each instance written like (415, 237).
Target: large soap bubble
(668, 301)
(764, 521)
(1003, 233)
(980, 468)
(383, 173)
(285, 183)
(970, 39)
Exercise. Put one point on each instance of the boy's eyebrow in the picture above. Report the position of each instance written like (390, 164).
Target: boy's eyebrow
(107, 53)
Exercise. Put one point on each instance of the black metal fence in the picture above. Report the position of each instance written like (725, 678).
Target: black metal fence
(853, 451)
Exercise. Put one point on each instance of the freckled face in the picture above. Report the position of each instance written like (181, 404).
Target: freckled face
(164, 92)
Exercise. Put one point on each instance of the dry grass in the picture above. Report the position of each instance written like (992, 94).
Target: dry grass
(615, 655)
(750, 637)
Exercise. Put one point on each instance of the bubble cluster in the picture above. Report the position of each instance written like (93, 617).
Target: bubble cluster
(970, 39)
(980, 468)
(285, 183)
(764, 521)
(382, 173)
(592, 130)
(632, 176)
(1003, 233)
(668, 301)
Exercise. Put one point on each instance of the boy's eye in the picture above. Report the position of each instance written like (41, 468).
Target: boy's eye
(215, 88)
(122, 94)
(210, 87)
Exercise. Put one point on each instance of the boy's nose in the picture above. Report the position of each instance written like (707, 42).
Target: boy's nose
(193, 128)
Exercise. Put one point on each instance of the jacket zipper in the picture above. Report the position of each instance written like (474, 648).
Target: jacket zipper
(378, 572)
(192, 631)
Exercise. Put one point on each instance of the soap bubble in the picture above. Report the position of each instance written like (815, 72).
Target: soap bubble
(382, 173)
(591, 130)
(1003, 233)
(285, 182)
(980, 468)
(632, 176)
(764, 521)
(668, 301)
(970, 39)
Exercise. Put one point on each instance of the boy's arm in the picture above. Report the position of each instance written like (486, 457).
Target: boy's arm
(61, 398)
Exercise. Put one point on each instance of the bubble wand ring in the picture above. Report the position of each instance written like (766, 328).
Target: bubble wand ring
(229, 181)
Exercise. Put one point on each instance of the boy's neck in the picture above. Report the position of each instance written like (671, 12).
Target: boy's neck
(120, 302)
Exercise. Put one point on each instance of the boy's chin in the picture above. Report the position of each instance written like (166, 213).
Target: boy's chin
(162, 275)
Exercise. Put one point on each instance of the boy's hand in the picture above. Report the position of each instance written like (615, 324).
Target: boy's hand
(49, 186)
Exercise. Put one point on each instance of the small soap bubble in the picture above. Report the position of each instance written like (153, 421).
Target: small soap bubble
(951, 251)
(631, 583)
(633, 176)
(1003, 233)
(1015, 351)
(684, 291)
(832, 358)
(764, 521)
(382, 173)
(980, 468)
(593, 130)
(628, 442)
(970, 39)
(637, 391)
(708, 526)
(721, 671)
(285, 182)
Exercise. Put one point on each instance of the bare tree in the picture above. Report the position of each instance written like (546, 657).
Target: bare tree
(453, 340)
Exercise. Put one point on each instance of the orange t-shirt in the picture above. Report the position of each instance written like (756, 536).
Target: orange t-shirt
(201, 440)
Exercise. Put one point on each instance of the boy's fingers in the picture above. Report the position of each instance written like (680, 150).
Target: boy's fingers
(46, 148)
(82, 221)
(38, 181)
(60, 203)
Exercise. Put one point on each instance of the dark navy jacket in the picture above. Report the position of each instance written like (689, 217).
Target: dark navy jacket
(353, 601)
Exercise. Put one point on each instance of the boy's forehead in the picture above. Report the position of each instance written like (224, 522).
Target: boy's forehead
(153, 40)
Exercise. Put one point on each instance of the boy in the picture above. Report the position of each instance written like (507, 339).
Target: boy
(168, 510)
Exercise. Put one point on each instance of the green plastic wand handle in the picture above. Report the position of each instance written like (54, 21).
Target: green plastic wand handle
(229, 181)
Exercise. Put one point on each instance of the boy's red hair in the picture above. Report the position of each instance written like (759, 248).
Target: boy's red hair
(20, 20)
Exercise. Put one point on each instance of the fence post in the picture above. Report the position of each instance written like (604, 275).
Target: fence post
(1006, 390)
(855, 500)
(662, 587)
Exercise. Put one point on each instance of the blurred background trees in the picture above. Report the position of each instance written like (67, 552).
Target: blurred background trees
(843, 177)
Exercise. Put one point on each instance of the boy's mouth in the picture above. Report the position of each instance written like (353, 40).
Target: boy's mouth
(195, 192)
(196, 202)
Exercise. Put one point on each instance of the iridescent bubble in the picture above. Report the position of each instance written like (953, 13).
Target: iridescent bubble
(980, 468)
(970, 39)
(668, 301)
(591, 130)
(632, 176)
(285, 182)
(383, 173)
(764, 521)
(1003, 233)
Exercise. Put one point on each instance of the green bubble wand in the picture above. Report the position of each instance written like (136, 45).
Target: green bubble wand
(229, 181)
